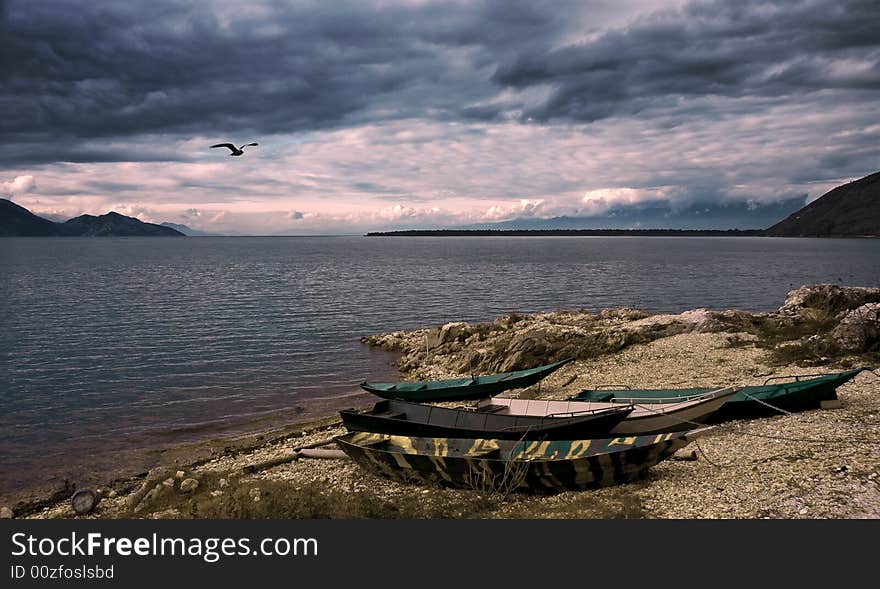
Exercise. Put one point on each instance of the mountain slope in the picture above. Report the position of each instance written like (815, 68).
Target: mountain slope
(114, 224)
(18, 221)
(850, 210)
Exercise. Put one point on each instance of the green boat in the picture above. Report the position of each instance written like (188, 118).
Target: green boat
(803, 392)
(455, 389)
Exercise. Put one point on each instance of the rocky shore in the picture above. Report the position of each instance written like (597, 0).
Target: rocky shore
(814, 464)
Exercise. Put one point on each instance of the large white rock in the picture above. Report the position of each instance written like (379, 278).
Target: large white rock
(828, 297)
(859, 328)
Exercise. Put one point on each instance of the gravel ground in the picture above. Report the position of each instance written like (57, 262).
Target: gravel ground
(820, 464)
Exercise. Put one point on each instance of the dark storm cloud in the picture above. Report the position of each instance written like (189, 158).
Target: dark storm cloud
(102, 69)
(851, 163)
(722, 48)
(32, 150)
(351, 101)
(79, 71)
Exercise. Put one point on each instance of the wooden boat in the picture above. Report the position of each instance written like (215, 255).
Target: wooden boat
(507, 465)
(415, 419)
(471, 387)
(802, 392)
(646, 418)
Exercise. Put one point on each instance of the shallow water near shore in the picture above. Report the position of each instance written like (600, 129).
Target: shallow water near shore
(133, 344)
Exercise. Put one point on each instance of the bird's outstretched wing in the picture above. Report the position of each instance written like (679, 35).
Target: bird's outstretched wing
(230, 146)
(246, 144)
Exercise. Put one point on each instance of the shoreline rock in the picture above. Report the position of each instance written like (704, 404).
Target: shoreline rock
(835, 317)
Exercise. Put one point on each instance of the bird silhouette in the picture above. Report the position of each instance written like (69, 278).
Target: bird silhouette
(235, 150)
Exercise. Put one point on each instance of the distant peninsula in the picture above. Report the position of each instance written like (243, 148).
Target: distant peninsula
(17, 221)
(849, 210)
(562, 232)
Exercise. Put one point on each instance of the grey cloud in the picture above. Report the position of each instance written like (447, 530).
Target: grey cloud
(78, 70)
(834, 165)
(109, 81)
(113, 186)
(103, 69)
(407, 198)
(27, 149)
(720, 48)
(378, 189)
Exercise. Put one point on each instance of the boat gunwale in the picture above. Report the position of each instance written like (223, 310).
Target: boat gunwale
(669, 409)
(752, 393)
(535, 424)
(456, 382)
(703, 396)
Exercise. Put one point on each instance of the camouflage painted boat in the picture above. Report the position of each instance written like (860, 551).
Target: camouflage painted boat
(544, 466)
(803, 392)
(471, 387)
(416, 419)
(646, 418)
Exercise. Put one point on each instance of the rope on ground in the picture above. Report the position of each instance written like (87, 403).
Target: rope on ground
(647, 407)
(696, 442)
(709, 460)
(754, 435)
(859, 426)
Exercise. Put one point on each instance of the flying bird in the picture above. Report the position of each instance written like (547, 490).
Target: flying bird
(235, 150)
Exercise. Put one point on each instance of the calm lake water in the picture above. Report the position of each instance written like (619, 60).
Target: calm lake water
(139, 343)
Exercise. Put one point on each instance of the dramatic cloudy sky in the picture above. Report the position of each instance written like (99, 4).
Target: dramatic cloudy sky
(414, 113)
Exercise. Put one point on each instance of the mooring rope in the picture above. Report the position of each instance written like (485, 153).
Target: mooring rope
(859, 426)
(784, 438)
(864, 426)
(756, 435)
(709, 460)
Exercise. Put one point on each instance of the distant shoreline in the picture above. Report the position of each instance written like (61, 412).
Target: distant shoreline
(572, 232)
(596, 233)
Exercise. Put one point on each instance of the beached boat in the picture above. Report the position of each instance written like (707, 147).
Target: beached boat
(801, 392)
(471, 387)
(416, 419)
(646, 418)
(506, 465)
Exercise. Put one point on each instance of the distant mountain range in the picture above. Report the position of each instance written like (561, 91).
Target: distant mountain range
(17, 221)
(186, 230)
(849, 210)
(700, 215)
